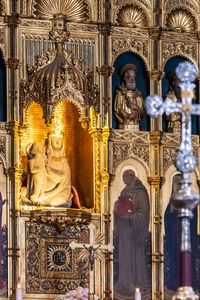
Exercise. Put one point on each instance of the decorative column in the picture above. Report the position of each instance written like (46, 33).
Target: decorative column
(155, 74)
(156, 219)
(106, 214)
(15, 176)
(96, 135)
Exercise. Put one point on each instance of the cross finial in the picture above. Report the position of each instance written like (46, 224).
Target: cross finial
(155, 107)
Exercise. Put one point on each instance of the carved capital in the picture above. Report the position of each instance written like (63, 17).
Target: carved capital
(157, 258)
(105, 70)
(155, 137)
(96, 133)
(105, 29)
(12, 20)
(157, 10)
(15, 173)
(155, 180)
(156, 75)
(10, 127)
(105, 178)
(84, 122)
(155, 32)
(13, 63)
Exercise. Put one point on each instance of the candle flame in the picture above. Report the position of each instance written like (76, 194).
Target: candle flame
(18, 286)
(137, 290)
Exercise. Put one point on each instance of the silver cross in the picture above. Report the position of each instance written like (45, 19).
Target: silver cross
(185, 199)
(155, 107)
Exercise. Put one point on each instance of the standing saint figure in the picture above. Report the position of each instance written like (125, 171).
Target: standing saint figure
(174, 93)
(128, 106)
(131, 225)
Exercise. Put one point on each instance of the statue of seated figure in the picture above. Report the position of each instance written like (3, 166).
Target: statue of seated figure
(49, 182)
(128, 106)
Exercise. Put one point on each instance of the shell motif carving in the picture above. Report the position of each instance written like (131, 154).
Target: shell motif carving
(74, 10)
(132, 15)
(181, 20)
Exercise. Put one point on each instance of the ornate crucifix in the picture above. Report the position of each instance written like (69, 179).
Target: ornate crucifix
(92, 251)
(185, 199)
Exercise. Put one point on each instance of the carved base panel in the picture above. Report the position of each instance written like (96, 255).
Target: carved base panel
(51, 265)
(48, 267)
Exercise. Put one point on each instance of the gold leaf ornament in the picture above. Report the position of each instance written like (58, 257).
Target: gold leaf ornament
(74, 10)
(132, 15)
(181, 20)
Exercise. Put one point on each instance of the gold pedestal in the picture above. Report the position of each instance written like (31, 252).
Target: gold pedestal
(185, 293)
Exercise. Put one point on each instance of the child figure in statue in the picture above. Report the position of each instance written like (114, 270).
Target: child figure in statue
(37, 171)
(49, 178)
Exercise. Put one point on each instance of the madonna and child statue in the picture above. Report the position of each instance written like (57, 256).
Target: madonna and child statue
(49, 175)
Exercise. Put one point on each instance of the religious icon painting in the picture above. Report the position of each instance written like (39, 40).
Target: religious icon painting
(132, 240)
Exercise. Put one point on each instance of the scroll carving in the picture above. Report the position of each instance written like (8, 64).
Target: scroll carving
(177, 48)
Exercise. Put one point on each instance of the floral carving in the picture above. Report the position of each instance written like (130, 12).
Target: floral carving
(127, 44)
(178, 48)
(121, 151)
(169, 155)
(3, 145)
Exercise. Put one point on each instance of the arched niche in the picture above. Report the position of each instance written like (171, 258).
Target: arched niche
(171, 235)
(118, 184)
(170, 65)
(78, 144)
(3, 104)
(145, 246)
(142, 82)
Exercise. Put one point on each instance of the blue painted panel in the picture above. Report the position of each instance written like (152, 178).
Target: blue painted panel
(142, 82)
(171, 64)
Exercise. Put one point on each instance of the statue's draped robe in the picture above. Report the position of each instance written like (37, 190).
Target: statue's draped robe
(131, 229)
(174, 119)
(125, 102)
